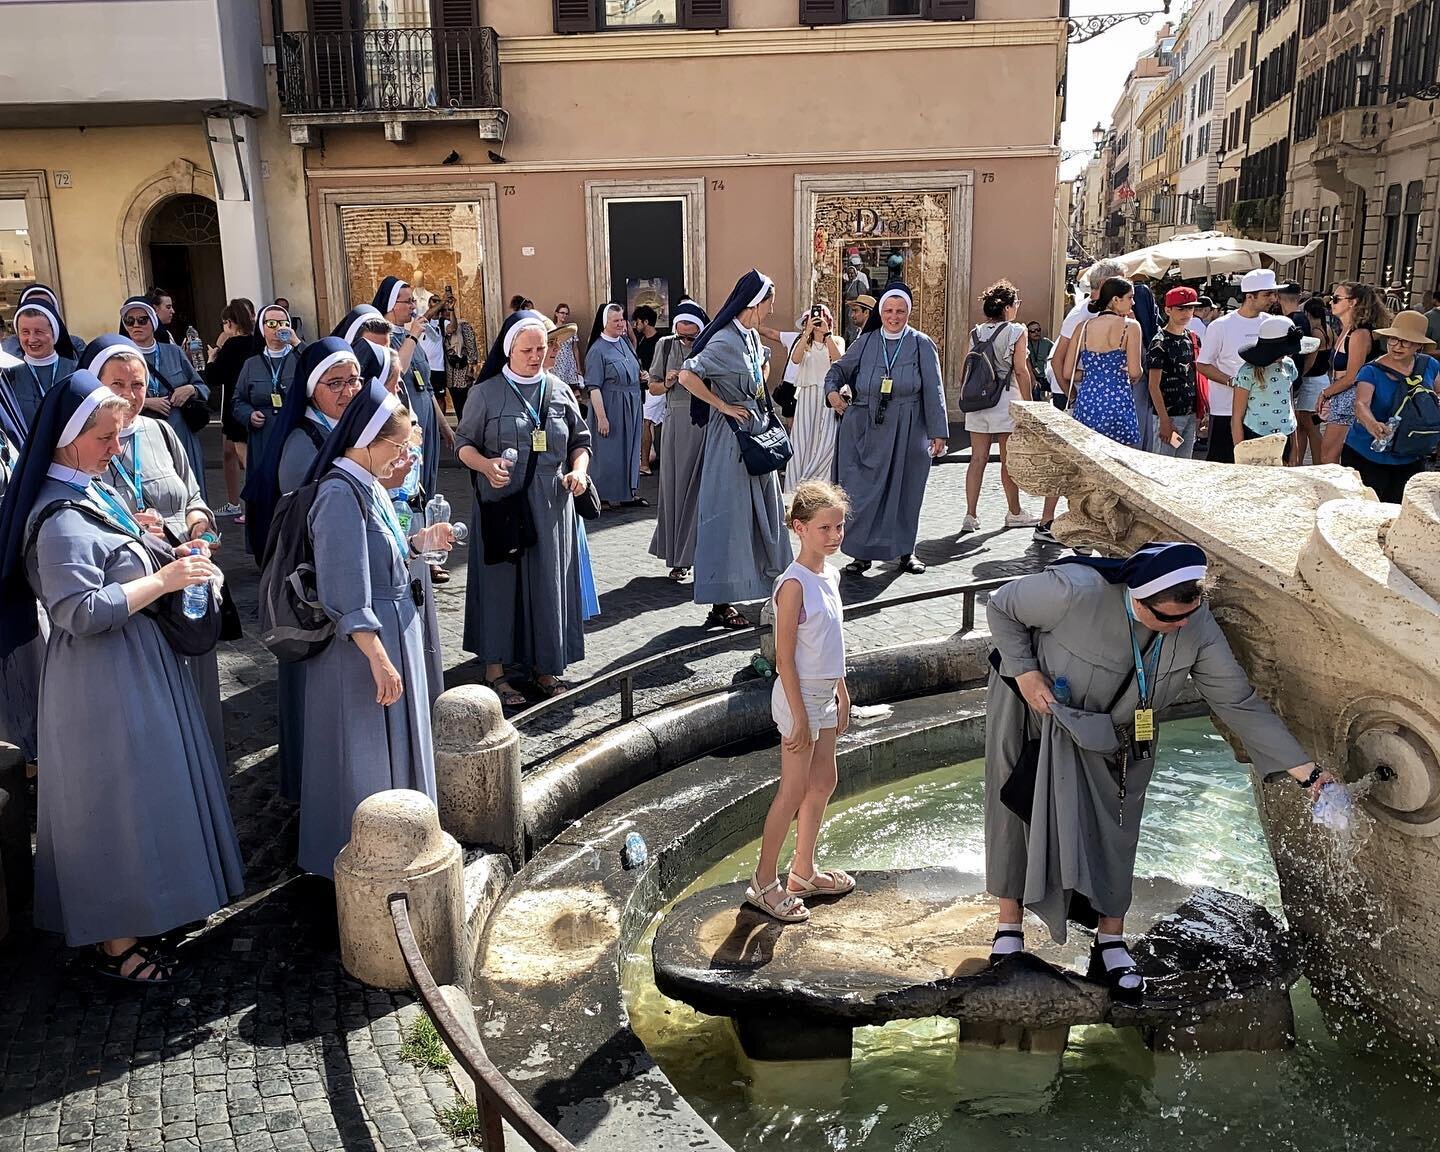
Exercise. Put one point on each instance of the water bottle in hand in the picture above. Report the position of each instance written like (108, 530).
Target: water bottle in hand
(437, 511)
(1382, 443)
(1333, 808)
(195, 599)
(1061, 691)
(509, 456)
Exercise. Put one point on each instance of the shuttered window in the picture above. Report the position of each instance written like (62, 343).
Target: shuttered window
(705, 13)
(614, 15)
(817, 12)
(575, 16)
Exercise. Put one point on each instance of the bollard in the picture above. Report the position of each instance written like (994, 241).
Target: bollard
(477, 771)
(396, 845)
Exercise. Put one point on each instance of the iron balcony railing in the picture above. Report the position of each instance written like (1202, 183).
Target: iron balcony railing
(389, 70)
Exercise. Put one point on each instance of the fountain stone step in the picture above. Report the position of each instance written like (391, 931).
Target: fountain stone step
(916, 943)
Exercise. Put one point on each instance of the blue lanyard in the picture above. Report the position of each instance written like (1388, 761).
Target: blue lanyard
(133, 478)
(1143, 677)
(319, 417)
(885, 350)
(121, 512)
(539, 399)
(752, 358)
(387, 513)
(276, 368)
(40, 385)
(153, 369)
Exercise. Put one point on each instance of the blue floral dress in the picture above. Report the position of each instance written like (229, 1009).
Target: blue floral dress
(1105, 401)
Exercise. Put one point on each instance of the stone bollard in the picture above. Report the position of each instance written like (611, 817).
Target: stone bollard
(396, 845)
(477, 771)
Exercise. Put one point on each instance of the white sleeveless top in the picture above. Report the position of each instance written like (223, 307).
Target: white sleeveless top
(820, 639)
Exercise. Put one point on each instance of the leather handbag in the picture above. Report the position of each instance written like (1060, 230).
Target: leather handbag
(767, 450)
(587, 504)
(196, 414)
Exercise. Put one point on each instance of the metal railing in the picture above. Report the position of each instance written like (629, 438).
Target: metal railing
(389, 70)
(624, 678)
(495, 1097)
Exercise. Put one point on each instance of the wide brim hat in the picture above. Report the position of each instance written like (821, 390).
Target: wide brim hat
(1409, 326)
(866, 302)
(1265, 352)
(562, 332)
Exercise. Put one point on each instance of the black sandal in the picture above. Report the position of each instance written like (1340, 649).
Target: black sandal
(111, 967)
(1111, 977)
(913, 566)
(509, 698)
(636, 502)
(556, 687)
(1006, 934)
(679, 574)
(726, 616)
(856, 568)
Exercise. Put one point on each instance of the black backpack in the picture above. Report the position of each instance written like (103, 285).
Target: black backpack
(293, 625)
(1418, 433)
(981, 384)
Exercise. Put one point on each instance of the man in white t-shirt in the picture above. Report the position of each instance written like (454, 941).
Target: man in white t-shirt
(1220, 356)
(1204, 313)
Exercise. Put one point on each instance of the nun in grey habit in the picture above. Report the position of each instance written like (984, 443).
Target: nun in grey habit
(39, 371)
(69, 346)
(367, 703)
(742, 544)
(400, 309)
(524, 607)
(682, 448)
(1061, 837)
(612, 376)
(133, 832)
(888, 437)
(263, 381)
(152, 476)
(172, 378)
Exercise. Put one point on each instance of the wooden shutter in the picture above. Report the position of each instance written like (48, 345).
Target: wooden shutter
(704, 13)
(458, 66)
(336, 65)
(813, 12)
(948, 9)
(575, 16)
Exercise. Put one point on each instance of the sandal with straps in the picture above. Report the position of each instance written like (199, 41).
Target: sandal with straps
(839, 883)
(789, 909)
(730, 618)
(161, 970)
(1006, 934)
(509, 698)
(556, 687)
(1111, 977)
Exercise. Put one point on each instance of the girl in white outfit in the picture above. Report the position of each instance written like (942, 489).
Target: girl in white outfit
(810, 704)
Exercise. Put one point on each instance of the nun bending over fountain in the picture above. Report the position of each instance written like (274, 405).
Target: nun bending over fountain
(1065, 780)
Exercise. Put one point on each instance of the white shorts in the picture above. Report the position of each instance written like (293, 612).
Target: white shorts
(654, 410)
(993, 421)
(822, 706)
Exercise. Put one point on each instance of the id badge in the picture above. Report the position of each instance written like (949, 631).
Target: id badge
(537, 440)
(1144, 725)
(887, 386)
(276, 400)
(759, 391)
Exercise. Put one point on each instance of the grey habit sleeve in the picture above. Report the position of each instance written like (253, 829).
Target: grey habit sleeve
(194, 502)
(1222, 683)
(241, 406)
(932, 390)
(70, 563)
(342, 559)
(843, 371)
(662, 353)
(1037, 602)
(594, 367)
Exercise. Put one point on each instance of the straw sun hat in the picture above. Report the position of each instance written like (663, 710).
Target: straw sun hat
(1408, 326)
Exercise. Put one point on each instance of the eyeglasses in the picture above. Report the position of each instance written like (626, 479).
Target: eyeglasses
(277, 323)
(344, 384)
(136, 321)
(398, 445)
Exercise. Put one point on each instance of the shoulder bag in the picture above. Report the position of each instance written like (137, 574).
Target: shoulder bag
(507, 527)
(767, 450)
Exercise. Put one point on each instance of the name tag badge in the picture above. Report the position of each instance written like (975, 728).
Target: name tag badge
(276, 400)
(1144, 724)
(537, 440)
(887, 386)
(759, 391)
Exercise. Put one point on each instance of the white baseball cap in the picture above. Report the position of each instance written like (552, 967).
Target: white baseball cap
(855, 260)
(1260, 280)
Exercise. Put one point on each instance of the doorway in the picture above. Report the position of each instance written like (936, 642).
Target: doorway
(182, 238)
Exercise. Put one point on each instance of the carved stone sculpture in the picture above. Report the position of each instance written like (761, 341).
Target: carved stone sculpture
(1331, 601)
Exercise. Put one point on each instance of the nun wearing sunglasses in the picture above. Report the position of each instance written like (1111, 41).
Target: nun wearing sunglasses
(1062, 816)
(173, 380)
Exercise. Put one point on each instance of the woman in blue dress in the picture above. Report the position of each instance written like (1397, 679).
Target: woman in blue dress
(173, 380)
(1107, 349)
(612, 376)
(133, 831)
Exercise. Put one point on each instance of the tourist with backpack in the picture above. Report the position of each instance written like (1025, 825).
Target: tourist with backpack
(1397, 413)
(996, 374)
(891, 401)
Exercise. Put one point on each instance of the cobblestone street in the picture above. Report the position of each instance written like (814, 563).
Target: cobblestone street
(266, 1043)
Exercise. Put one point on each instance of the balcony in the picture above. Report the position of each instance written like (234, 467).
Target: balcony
(1350, 131)
(395, 77)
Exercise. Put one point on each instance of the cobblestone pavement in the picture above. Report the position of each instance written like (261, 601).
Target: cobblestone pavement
(266, 1043)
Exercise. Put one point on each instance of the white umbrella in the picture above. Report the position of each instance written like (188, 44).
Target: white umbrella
(1200, 254)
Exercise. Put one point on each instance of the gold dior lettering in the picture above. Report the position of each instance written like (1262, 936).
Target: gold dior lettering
(398, 233)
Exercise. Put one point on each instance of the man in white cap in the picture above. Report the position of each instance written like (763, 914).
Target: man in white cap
(1220, 355)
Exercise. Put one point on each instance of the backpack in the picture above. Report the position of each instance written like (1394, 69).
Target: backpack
(1418, 433)
(293, 625)
(981, 384)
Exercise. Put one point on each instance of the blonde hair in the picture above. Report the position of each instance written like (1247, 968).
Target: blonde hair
(813, 497)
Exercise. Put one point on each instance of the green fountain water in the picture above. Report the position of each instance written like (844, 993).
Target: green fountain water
(910, 1087)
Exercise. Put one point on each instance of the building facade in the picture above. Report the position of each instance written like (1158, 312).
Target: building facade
(1154, 201)
(1237, 48)
(1264, 169)
(1130, 225)
(1200, 81)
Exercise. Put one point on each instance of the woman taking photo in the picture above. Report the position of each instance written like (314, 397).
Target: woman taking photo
(522, 594)
(133, 833)
(173, 381)
(893, 425)
(813, 433)
(612, 376)
(741, 542)
(264, 379)
(1360, 311)
(1106, 351)
(367, 702)
(1380, 387)
(682, 448)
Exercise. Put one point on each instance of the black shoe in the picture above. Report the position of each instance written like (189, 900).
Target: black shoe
(1044, 535)
(913, 566)
(856, 567)
(1111, 977)
(1010, 933)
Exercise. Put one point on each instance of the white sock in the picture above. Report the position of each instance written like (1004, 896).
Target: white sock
(1004, 945)
(1118, 958)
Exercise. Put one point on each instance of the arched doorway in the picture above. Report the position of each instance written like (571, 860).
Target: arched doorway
(182, 238)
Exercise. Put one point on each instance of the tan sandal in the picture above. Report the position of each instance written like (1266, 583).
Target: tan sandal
(840, 882)
(788, 910)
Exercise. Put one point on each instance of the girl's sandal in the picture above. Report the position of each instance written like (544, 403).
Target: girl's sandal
(151, 969)
(509, 698)
(837, 883)
(789, 909)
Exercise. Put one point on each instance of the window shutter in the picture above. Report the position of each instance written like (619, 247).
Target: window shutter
(332, 16)
(458, 64)
(704, 13)
(813, 12)
(949, 9)
(455, 13)
(575, 16)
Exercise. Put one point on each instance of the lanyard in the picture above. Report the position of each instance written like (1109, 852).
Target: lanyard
(276, 367)
(1144, 677)
(319, 418)
(539, 400)
(387, 513)
(122, 513)
(40, 385)
(752, 358)
(132, 478)
(890, 361)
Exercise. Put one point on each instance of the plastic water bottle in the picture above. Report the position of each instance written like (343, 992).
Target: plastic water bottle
(509, 456)
(195, 348)
(1061, 691)
(1333, 808)
(195, 600)
(635, 853)
(437, 511)
(1382, 443)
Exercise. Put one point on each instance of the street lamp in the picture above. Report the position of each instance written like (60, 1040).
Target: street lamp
(1083, 30)
(1098, 134)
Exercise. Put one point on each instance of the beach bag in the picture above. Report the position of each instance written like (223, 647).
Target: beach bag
(1418, 433)
(981, 384)
(293, 625)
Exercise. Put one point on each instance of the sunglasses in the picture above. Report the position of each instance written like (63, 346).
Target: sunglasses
(277, 323)
(1177, 617)
(136, 321)
(1336, 299)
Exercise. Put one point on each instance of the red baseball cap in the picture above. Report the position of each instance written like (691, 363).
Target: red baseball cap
(1181, 297)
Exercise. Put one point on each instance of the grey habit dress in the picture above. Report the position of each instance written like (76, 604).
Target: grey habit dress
(682, 454)
(419, 397)
(1068, 621)
(32, 381)
(742, 544)
(526, 613)
(133, 831)
(355, 747)
(884, 466)
(612, 369)
(261, 387)
(166, 485)
(170, 369)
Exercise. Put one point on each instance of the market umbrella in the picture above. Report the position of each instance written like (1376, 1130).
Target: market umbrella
(1201, 254)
